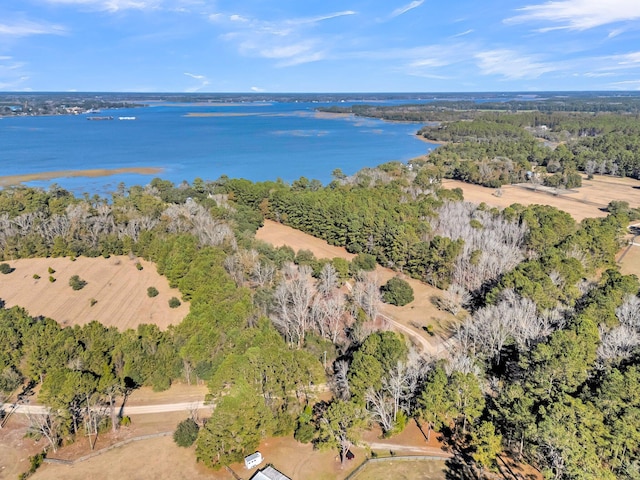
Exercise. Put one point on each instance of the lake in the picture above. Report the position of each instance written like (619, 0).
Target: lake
(257, 141)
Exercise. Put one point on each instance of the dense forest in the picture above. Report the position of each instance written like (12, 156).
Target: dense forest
(543, 360)
(543, 141)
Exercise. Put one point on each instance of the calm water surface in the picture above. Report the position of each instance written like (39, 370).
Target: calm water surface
(257, 141)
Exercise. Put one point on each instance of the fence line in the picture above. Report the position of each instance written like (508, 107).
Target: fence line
(60, 461)
(402, 458)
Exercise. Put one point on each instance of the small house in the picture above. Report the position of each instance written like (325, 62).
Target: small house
(253, 460)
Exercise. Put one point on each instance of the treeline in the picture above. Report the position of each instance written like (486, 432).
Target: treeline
(547, 330)
(84, 371)
(423, 232)
(457, 109)
(494, 148)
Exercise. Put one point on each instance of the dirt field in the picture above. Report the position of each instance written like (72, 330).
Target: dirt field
(414, 316)
(118, 286)
(588, 201)
(630, 263)
(403, 470)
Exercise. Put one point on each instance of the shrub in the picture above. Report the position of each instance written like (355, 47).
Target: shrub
(304, 432)
(77, 283)
(36, 276)
(93, 301)
(5, 268)
(125, 421)
(186, 433)
(51, 271)
(139, 266)
(174, 302)
(363, 261)
(152, 292)
(51, 278)
(397, 292)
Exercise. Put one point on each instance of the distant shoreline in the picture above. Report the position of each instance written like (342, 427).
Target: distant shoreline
(8, 180)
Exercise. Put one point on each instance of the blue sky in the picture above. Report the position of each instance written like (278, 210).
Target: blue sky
(319, 46)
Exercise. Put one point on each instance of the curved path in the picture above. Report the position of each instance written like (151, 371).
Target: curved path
(427, 347)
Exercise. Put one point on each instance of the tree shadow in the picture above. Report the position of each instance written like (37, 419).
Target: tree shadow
(458, 468)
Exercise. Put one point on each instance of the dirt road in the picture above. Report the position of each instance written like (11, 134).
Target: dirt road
(133, 410)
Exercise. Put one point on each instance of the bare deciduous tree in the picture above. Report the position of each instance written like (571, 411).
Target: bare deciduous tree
(328, 280)
(340, 383)
(292, 301)
(46, 425)
(366, 294)
(380, 406)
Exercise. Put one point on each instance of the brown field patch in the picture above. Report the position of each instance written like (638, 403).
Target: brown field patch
(402, 469)
(414, 316)
(630, 263)
(588, 201)
(118, 286)
(144, 460)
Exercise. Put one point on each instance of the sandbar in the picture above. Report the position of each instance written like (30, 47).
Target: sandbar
(94, 172)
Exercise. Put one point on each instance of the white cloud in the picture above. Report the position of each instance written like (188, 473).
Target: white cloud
(628, 58)
(203, 82)
(626, 85)
(287, 41)
(462, 34)
(26, 28)
(112, 5)
(257, 89)
(320, 18)
(197, 77)
(579, 14)
(238, 18)
(404, 9)
(511, 65)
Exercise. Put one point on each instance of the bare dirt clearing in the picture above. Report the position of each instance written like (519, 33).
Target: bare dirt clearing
(391, 469)
(152, 457)
(590, 200)
(148, 459)
(414, 316)
(630, 263)
(119, 288)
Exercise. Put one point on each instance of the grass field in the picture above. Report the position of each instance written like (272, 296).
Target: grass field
(119, 288)
(403, 470)
(590, 200)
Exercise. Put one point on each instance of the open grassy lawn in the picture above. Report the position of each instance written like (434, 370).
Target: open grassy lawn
(118, 287)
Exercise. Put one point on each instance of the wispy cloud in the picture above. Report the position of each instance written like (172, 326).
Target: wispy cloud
(203, 82)
(404, 9)
(511, 65)
(320, 18)
(26, 28)
(579, 14)
(291, 41)
(12, 74)
(626, 85)
(257, 89)
(111, 5)
(462, 34)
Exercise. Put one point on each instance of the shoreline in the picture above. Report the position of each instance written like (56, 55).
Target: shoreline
(9, 180)
(431, 142)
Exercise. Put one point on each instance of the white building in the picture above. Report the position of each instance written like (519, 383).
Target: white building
(253, 460)
(269, 473)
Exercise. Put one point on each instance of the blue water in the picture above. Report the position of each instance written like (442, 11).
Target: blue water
(257, 141)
